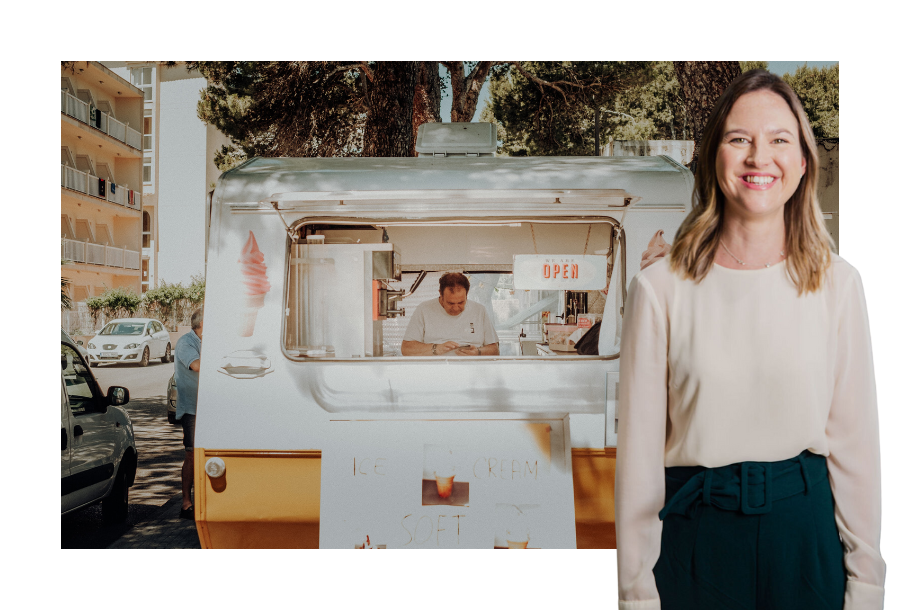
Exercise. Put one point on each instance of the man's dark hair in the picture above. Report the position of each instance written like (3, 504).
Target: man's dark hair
(453, 281)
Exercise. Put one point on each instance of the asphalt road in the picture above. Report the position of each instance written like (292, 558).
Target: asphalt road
(160, 455)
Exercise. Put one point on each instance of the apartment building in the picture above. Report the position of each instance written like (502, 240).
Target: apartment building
(102, 212)
(177, 168)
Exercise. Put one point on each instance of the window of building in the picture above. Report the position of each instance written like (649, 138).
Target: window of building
(148, 170)
(148, 129)
(146, 231)
(143, 78)
(145, 274)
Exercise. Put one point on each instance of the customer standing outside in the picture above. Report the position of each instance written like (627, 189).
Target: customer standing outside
(748, 469)
(187, 376)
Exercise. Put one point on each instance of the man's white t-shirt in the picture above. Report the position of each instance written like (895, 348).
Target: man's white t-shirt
(431, 324)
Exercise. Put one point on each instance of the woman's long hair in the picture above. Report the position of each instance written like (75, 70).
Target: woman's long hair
(808, 245)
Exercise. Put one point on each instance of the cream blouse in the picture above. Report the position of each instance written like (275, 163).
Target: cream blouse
(737, 368)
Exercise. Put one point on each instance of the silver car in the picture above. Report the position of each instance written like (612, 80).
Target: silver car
(135, 340)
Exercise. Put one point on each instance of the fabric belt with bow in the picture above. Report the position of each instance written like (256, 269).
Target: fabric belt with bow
(749, 487)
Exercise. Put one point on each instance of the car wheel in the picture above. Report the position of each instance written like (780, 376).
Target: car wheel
(167, 357)
(172, 419)
(145, 358)
(114, 508)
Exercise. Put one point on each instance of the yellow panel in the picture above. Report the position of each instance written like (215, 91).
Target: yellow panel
(594, 480)
(271, 499)
(266, 500)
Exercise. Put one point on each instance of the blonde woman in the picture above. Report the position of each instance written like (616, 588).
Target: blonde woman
(748, 462)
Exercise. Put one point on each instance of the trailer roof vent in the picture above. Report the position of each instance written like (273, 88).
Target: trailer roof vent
(457, 139)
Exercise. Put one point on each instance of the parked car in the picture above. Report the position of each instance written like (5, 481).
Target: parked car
(171, 400)
(131, 340)
(99, 456)
(79, 345)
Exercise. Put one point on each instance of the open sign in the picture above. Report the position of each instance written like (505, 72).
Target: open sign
(559, 272)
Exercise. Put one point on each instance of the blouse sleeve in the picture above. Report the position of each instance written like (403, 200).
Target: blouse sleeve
(853, 463)
(640, 456)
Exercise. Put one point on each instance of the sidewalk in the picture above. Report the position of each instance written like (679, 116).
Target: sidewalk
(165, 531)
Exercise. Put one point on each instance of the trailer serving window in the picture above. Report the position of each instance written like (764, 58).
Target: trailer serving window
(544, 282)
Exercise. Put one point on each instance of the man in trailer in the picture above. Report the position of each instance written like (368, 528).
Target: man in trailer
(451, 325)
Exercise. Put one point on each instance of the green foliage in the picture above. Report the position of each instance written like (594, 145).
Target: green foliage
(819, 92)
(113, 303)
(65, 299)
(283, 108)
(649, 107)
(640, 101)
(746, 66)
(163, 301)
(171, 304)
(540, 119)
(196, 291)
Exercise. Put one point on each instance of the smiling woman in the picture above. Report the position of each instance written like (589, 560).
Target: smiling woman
(748, 457)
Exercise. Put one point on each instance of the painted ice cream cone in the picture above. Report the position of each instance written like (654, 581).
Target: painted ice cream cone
(256, 285)
(517, 544)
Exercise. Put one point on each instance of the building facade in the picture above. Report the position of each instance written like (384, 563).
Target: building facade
(102, 211)
(177, 169)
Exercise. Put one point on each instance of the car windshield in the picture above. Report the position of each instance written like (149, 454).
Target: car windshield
(123, 328)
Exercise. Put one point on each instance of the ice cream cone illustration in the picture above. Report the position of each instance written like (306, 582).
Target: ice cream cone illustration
(255, 285)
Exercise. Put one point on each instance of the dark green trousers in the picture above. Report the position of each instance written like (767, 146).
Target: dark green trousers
(751, 536)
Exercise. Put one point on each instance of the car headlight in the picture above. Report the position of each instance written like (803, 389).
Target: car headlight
(132, 346)
(91, 346)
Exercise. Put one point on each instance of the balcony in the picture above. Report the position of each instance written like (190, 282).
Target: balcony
(101, 121)
(97, 254)
(82, 182)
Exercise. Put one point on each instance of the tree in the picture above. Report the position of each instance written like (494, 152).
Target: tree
(702, 82)
(819, 93)
(551, 108)
(66, 300)
(388, 130)
(466, 88)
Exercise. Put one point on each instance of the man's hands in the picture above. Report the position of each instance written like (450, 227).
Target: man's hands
(416, 348)
(468, 351)
(442, 348)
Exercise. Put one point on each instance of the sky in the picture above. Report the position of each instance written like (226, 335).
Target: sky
(776, 67)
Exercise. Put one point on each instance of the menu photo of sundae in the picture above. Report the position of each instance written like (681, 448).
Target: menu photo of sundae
(514, 527)
(441, 484)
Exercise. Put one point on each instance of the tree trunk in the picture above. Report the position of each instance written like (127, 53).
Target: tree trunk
(427, 104)
(702, 82)
(389, 122)
(466, 89)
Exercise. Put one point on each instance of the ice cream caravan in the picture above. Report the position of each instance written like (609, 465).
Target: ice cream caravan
(314, 431)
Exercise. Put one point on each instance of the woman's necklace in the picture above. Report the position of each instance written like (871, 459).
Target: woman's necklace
(740, 262)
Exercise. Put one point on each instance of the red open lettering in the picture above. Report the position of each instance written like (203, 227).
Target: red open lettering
(565, 271)
(555, 271)
(574, 272)
(546, 270)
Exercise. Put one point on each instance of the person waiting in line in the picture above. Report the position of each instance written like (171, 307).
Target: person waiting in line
(748, 468)
(187, 377)
(450, 324)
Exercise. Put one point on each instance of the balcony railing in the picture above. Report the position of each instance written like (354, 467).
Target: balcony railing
(98, 254)
(81, 111)
(82, 182)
